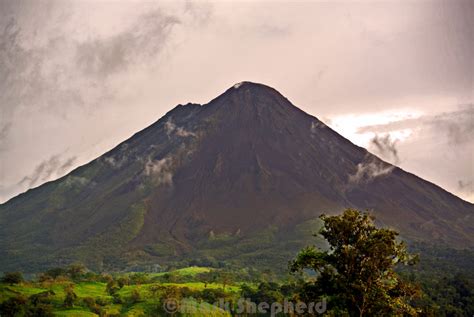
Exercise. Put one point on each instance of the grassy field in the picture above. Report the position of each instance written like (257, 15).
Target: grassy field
(145, 298)
(187, 271)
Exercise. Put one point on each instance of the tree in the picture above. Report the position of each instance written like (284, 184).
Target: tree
(70, 296)
(266, 292)
(122, 281)
(212, 295)
(208, 277)
(14, 306)
(90, 303)
(12, 278)
(55, 272)
(40, 304)
(356, 275)
(112, 287)
(226, 278)
(76, 271)
(135, 296)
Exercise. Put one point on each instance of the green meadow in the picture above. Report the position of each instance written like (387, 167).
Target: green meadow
(126, 294)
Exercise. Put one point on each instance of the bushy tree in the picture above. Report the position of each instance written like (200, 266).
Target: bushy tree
(91, 303)
(14, 306)
(138, 279)
(76, 271)
(55, 272)
(12, 278)
(122, 281)
(40, 304)
(211, 295)
(37, 305)
(225, 278)
(135, 296)
(208, 277)
(71, 297)
(356, 274)
(268, 292)
(112, 287)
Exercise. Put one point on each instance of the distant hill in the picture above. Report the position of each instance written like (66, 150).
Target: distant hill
(240, 179)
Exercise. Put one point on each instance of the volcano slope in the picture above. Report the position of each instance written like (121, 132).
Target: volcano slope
(240, 179)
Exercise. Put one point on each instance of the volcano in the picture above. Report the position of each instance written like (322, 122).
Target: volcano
(240, 179)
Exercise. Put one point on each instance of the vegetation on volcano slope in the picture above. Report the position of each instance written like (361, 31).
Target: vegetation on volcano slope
(431, 288)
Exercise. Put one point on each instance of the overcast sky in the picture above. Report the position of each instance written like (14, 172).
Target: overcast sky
(78, 77)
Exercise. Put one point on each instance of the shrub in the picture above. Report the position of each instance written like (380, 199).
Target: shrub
(135, 297)
(12, 278)
(14, 306)
(90, 303)
(70, 296)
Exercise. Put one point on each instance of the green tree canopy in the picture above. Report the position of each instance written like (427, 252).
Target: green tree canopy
(356, 274)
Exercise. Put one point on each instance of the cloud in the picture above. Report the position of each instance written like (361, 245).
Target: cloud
(46, 68)
(54, 166)
(67, 165)
(115, 162)
(385, 147)
(456, 127)
(76, 181)
(32, 75)
(368, 171)
(103, 57)
(160, 171)
(466, 189)
(172, 128)
(437, 147)
(268, 29)
(4, 130)
(3, 134)
(467, 186)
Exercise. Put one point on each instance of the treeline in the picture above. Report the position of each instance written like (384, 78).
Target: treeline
(446, 278)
